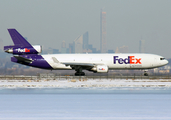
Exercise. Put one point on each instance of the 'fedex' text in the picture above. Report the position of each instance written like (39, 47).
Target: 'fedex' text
(23, 50)
(129, 60)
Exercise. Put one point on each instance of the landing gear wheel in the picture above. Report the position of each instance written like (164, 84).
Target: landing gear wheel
(145, 74)
(79, 72)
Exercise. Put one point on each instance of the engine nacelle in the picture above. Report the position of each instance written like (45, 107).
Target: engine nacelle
(100, 69)
(23, 50)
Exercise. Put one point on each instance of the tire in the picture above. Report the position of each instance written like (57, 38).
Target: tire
(145, 74)
(80, 74)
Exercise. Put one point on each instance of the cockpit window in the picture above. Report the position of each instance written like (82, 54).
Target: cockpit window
(162, 58)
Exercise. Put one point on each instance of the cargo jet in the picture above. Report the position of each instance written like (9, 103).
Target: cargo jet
(27, 54)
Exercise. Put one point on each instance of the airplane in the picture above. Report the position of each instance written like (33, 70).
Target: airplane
(27, 54)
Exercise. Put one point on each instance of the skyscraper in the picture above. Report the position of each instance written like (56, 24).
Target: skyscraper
(78, 44)
(142, 46)
(103, 40)
(85, 40)
(63, 47)
(71, 48)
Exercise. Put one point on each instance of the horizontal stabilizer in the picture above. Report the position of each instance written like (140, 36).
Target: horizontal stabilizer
(22, 59)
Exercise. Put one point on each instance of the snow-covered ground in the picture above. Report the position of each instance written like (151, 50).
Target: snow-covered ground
(80, 83)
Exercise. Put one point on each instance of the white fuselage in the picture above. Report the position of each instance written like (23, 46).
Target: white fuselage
(112, 61)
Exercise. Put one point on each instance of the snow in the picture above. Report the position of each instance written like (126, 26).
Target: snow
(84, 83)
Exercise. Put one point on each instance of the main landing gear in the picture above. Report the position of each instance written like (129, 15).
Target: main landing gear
(145, 73)
(79, 72)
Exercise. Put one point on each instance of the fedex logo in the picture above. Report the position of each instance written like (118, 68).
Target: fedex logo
(101, 69)
(23, 50)
(129, 60)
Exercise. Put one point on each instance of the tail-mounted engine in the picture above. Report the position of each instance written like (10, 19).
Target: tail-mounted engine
(23, 50)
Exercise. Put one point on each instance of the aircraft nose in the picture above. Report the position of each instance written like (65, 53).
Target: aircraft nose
(167, 62)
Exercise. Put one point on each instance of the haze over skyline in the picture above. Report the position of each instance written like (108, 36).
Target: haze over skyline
(48, 23)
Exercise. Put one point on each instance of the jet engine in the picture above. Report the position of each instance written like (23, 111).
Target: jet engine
(100, 69)
(23, 50)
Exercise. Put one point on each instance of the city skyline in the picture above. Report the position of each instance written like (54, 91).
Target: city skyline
(48, 23)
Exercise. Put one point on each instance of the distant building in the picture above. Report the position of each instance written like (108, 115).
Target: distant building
(63, 44)
(87, 51)
(78, 44)
(103, 40)
(110, 51)
(71, 48)
(64, 49)
(85, 40)
(142, 46)
(55, 51)
(51, 51)
(94, 50)
(122, 49)
(81, 44)
(117, 50)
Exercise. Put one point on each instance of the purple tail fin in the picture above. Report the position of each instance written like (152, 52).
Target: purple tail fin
(21, 45)
(18, 39)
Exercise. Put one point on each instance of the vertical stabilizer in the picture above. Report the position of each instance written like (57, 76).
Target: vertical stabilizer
(21, 45)
(18, 39)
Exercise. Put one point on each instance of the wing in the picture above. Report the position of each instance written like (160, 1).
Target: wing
(79, 64)
(83, 65)
(75, 65)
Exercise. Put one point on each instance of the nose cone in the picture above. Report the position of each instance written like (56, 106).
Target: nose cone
(166, 62)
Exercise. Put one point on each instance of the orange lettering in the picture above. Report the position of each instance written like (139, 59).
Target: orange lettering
(138, 61)
(131, 59)
(27, 50)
